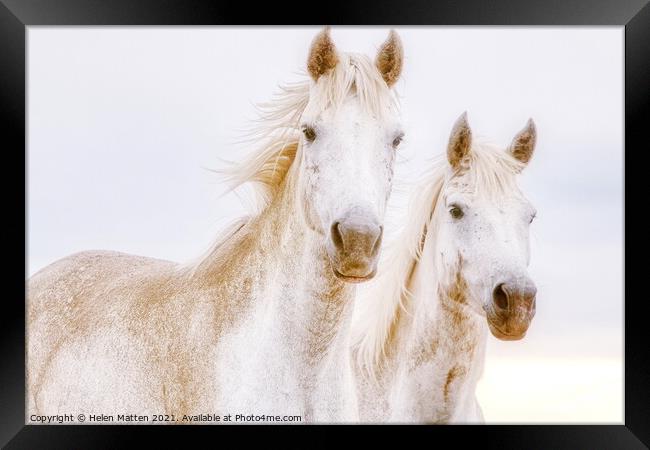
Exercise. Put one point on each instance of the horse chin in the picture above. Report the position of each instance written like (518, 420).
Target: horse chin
(354, 270)
(353, 278)
(505, 330)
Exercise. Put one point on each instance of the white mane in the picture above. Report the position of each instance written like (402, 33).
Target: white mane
(277, 130)
(491, 171)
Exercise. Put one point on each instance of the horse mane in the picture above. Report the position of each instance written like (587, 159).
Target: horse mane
(276, 132)
(491, 171)
(278, 125)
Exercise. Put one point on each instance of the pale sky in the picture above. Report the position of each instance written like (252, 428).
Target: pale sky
(124, 122)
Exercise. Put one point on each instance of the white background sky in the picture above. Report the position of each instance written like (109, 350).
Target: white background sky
(123, 122)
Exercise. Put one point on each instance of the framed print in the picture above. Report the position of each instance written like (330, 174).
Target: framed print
(364, 218)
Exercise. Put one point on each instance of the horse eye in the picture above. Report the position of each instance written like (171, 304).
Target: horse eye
(533, 217)
(456, 212)
(397, 140)
(310, 133)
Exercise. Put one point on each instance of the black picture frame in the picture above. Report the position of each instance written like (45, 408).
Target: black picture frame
(16, 15)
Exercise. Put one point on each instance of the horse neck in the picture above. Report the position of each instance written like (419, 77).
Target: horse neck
(285, 271)
(438, 350)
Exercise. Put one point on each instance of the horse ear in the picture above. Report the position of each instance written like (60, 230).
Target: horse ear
(322, 55)
(523, 144)
(389, 58)
(460, 141)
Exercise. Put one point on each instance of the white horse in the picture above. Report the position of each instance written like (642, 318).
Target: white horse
(260, 325)
(459, 268)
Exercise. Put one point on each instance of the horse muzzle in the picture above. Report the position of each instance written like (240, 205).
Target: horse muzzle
(354, 247)
(511, 309)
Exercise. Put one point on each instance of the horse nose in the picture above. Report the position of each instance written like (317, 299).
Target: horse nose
(357, 236)
(357, 241)
(515, 294)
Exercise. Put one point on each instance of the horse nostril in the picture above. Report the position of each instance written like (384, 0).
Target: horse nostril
(337, 239)
(500, 297)
(531, 293)
(377, 245)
